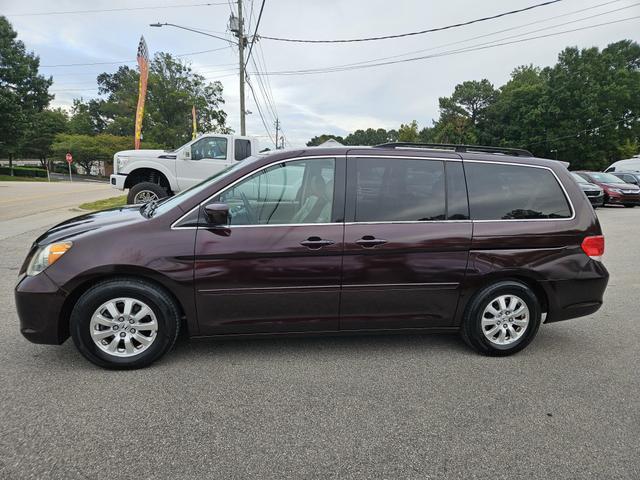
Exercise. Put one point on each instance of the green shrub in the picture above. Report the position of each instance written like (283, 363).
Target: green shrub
(24, 172)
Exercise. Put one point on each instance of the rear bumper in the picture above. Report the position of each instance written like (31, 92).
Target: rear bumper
(577, 297)
(39, 302)
(117, 180)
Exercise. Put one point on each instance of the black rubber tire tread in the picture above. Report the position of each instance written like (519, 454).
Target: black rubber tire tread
(161, 192)
(471, 330)
(163, 305)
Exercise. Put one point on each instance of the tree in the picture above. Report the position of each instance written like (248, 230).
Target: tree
(463, 113)
(86, 117)
(87, 150)
(23, 92)
(593, 103)
(40, 134)
(519, 116)
(408, 132)
(370, 136)
(173, 90)
(315, 141)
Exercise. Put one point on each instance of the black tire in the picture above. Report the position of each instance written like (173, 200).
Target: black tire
(626, 205)
(471, 329)
(163, 306)
(152, 188)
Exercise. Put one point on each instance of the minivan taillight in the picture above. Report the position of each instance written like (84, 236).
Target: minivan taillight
(594, 246)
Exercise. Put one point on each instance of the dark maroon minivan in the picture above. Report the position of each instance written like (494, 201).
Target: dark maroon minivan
(395, 238)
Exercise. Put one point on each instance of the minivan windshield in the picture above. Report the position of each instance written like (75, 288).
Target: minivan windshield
(169, 203)
(605, 177)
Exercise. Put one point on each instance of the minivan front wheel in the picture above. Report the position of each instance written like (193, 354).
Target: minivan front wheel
(502, 318)
(124, 323)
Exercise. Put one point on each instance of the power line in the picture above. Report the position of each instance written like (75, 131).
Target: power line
(105, 10)
(255, 32)
(123, 62)
(421, 32)
(472, 48)
(497, 32)
(577, 134)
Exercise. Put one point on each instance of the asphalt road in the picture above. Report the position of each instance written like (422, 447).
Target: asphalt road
(25, 206)
(420, 407)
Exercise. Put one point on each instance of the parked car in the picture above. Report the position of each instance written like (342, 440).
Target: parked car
(616, 191)
(154, 174)
(628, 177)
(624, 165)
(593, 192)
(395, 238)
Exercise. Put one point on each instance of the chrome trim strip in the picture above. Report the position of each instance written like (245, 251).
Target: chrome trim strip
(409, 222)
(567, 197)
(404, 285)
(265, 289)
(406, 157)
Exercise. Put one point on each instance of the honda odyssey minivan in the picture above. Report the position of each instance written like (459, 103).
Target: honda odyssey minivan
(483, 241)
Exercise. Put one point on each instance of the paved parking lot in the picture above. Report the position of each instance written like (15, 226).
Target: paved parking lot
(367, 407)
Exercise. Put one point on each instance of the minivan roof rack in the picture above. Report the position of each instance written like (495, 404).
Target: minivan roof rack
(518, 152)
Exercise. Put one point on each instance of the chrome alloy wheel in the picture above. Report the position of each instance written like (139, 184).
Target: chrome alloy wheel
(505, 319)
(144, 196)
(123, 327)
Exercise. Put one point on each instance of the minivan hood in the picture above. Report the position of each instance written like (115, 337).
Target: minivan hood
(621, 186)
(89, 222)
(589, 186)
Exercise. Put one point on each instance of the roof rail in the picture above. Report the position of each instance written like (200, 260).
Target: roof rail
(518, 152)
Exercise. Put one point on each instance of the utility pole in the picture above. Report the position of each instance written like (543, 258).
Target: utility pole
(277, 132)
(238, 30)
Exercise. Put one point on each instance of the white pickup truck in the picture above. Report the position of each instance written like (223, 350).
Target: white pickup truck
(153, 174)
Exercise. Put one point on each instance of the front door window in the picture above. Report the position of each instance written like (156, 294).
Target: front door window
(297, 192)
(209, 147)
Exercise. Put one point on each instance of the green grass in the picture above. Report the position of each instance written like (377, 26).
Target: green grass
(106, 203)
(9, 178)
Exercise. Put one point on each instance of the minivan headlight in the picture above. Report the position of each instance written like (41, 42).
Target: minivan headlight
(47, 255)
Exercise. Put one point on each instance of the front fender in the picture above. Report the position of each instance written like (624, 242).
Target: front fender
(167, 169)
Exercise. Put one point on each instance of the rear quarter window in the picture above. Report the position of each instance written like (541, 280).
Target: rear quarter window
(514, 192)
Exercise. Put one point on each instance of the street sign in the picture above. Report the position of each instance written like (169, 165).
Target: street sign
(69, 159)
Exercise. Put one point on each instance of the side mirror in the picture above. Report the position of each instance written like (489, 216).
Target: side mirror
(217, 214)
(186, 154)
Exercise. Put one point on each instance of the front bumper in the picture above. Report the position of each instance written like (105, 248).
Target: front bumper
(597, 201)
(624, 199)
(117, 180)
(40, 302)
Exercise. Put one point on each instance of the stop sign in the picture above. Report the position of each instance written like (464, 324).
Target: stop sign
(69, 158)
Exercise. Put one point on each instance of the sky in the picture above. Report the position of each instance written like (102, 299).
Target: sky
(335, 102)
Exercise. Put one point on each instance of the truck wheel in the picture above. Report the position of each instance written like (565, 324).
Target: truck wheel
(145, 192)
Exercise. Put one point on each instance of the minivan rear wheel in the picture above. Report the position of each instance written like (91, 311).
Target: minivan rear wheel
(501, 319)
(124, 323)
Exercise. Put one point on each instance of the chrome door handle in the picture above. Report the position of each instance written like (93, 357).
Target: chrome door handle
(369, 241)
(314, 243)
